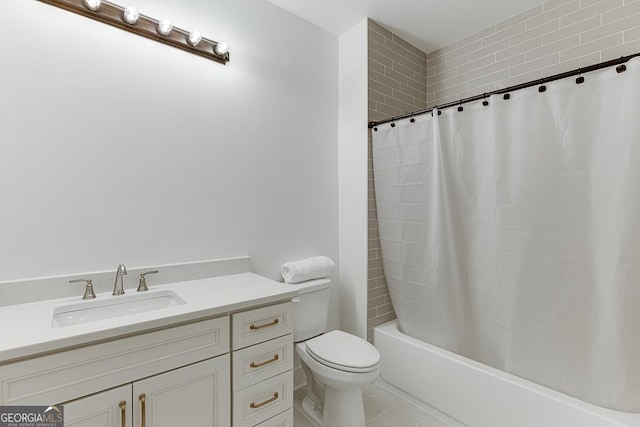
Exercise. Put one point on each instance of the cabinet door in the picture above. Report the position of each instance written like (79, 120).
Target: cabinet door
(196, 395)
(110, 408)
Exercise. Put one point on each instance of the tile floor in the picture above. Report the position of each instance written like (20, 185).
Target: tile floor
(384, 407)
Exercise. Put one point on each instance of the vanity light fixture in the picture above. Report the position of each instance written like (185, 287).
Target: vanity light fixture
(165, 27)
(93, 5)
(129, 19)
(131, 15)
(194, 38)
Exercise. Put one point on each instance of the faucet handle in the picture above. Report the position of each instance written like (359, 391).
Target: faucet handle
(142, 284)
(88, 291)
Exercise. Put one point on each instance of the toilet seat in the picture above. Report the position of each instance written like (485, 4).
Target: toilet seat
(343, 351)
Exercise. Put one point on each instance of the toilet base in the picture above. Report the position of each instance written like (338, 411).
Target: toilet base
(312, 411)
(343, 407)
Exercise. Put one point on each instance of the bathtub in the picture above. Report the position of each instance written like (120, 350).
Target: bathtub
(478, 395)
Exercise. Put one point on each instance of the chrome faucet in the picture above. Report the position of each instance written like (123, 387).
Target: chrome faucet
(118, 286)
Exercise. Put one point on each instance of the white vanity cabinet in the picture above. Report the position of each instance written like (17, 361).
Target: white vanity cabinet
(262, 363)
(182, 371)
(195, 395)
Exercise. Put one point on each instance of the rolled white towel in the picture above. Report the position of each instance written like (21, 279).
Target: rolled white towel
(307, 269)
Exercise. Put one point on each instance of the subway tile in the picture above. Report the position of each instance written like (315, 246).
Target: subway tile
(589, 11)
(420, 60)
(522, 78)
(430, 72)
(376, 301)
(489, 78)
(411, 91)
(519, 48)
(381, 319)
(611, 28)
(441, 76)
(553, 14)
(403, 43)
(385, 80)
(403, 97)
(562, 67)
(386, 51)
(374, 36)
(633, 34)
(373, 25)
(404, 107)
(570, 30)
(400, 50)
(432, 63)
(476, 36)
(384, 309)
(376, 66)
(451, 65)
(587, 3)
(375, 116)
(444, 100)
(463, 50)
(535, 32)
(504, 34)
(413, 66)
(452, 90)
(622, 50)
(380, 88)
(386, 111)
(416, 85)
(552, 4)
(621, 12)
(478, 63)
(537, 64)
(521, 17)
(377, 292)
(504, 64)
(437, 86)
(442, 51)
(554, 47)
(378, 57)
(461, 78)
(488, 50)
(600, 44)
(397, 75)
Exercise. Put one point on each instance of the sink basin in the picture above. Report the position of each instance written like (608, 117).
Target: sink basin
(111, 307)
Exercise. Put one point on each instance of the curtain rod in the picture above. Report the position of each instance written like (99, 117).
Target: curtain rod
(542, 81)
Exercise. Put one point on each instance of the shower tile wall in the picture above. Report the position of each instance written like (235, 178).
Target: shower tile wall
(553, 37)
(397, 84)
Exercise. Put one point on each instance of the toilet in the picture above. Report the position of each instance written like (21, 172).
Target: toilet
(341, 362)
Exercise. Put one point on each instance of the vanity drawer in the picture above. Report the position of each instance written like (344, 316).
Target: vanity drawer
(262, 324)
(284, 419)
(71, 374)
(261, 361)
(262, 401)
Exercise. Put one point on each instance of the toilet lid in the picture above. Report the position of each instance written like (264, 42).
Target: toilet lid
(344, 351)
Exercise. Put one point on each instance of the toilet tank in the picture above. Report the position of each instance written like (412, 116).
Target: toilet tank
(310, 309)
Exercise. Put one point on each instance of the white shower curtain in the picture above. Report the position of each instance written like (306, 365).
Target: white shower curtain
(510, 233)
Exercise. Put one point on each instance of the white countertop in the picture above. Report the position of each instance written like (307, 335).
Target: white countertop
(27, 328)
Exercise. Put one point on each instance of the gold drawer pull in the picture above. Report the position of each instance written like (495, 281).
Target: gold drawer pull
(143, 401)
(266, 325)
(266, 402)
(123, 413)
(266, 362)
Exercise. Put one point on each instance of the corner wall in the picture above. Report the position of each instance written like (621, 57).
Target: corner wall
(551, 38)
(397, 84)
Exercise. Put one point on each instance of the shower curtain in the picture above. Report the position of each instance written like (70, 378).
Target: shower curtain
(510, 233)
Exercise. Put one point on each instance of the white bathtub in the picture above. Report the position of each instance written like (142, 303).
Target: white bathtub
(478, 395)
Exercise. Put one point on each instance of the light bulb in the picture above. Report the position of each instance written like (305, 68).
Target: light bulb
(194, 38)
(221, 48)
(92, 4)
(131, 15)
(164, 27)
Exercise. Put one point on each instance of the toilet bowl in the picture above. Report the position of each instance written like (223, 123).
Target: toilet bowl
(341, 362)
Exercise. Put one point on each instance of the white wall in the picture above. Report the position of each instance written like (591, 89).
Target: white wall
(117, 149)
(353, 179)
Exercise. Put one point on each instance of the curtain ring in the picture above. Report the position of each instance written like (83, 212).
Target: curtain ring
(542, 87)
(580, 79)
(485, 102)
